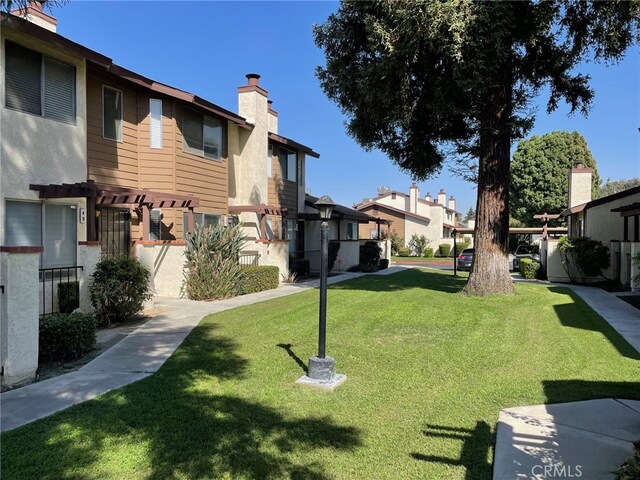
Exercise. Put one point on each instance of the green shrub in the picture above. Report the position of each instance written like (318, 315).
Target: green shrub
(384, 263)
(68, 296)
(212, 270)
(354, 268)
(119, 289)
(256, 278)
(636, 262)
(418, 243)
(370, 268)
(583, 257)
(303, 267)
(630, 469)
(459, 249)
(370, 253)
(404, 252)
(64, 336)
(529, 268)
(334, 248)
(444, 249)
(428, 252)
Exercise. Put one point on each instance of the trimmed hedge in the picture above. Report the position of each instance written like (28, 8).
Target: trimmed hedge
(370, 253)
(428, 252)
(256, 278)
(529, 268)
(404, 252)
(384, 263)
(68, 296)
(65, 336)
(444, 249)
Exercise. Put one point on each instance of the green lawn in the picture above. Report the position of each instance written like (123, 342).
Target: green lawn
(428, 369)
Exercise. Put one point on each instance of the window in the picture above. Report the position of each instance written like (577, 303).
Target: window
(111, 113)
(53, 226)
(202, 134)
(38, 84)
(288, 163)
(373, 234)
(270, 235)
(155, 126)
(352, 231)
(292, 236)
(155, 230)
(270, 161)
(205, 219)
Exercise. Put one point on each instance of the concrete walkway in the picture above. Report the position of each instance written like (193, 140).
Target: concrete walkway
(135, 357)
(586, 439)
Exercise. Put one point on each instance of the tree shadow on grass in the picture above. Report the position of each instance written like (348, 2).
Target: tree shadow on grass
(175, 424)
(407, 279)
(578, 314)
(476, 444)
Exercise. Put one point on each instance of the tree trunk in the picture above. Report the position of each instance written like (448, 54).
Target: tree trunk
(490, 270)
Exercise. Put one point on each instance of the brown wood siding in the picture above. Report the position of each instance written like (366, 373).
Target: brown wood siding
(133, 163)
(282, 192)
(396, 222)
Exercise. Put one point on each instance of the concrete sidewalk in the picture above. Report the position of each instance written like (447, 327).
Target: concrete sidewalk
(586, 439)
(135, 357)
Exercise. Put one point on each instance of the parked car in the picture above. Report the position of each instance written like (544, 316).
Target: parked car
(523, 251)
(465, 259)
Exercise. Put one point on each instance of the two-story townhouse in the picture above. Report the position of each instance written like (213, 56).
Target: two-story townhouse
(409, 214)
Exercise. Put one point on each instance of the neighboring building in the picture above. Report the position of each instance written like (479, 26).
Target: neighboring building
(409, 214)
(613, 220)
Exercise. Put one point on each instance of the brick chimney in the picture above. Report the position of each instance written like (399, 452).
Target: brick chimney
(34, 13)
(579, 185)
(428, 198)
(442, 197)
(414, 194)
(452, 203)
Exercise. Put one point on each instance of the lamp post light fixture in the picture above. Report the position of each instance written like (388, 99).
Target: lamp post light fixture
(322, 369)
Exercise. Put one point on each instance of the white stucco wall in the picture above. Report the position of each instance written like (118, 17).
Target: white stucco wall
(413, 226)
(401, 201)
(604, 225)
(88, 257)
(273, 253)
(555, 269)
(19, 316)
(579, 187)
(635, 269)
(35, 149)
(348, 255)
(166, 264)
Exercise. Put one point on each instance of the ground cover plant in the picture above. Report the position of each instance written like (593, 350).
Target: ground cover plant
(428, 370)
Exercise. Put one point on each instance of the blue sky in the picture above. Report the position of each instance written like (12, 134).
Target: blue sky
(207, 47)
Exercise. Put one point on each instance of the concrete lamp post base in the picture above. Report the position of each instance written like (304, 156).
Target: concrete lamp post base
(322, 374)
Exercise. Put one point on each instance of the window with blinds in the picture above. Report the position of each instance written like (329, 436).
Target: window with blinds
(111, 113)
(156, 224)
(155, 112)
(202, 134)
(23, 223)
(38, 84)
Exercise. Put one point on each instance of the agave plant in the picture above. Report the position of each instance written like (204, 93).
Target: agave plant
(212, 270)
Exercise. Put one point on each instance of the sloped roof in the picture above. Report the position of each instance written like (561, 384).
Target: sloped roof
(340, 211)
(363, 206)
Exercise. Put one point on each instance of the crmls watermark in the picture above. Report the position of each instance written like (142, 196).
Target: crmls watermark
(556, 471)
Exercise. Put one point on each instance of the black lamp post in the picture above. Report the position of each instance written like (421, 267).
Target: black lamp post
(455, 252)
(322, 369)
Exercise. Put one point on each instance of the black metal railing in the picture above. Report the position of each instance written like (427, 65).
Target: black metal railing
(247, 259)
(57, 299)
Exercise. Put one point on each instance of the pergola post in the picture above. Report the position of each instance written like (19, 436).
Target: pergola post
(263, 226)
(190, 220)
(146, 222)
(92, 236)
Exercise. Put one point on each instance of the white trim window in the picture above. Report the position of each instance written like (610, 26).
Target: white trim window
(155, 123)
(112, 108)
(39, 84)
(202, 134)
(52, 226)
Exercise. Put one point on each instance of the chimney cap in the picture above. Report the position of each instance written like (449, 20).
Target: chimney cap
(253, 79)
(442, 191)
(452, 197)
(270, 102)
(413, 185)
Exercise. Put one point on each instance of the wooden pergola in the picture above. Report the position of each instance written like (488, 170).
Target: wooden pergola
(262, 211)
(627, 212)
(112, 196)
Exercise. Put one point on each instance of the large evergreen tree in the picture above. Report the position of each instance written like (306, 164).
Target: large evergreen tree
(540, 170)
(418, 79)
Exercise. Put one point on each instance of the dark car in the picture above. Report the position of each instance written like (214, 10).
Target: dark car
(465, 259)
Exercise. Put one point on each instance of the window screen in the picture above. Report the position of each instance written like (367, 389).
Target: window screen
(23, 73)
(212, 137)
(112, 113)
(59, 236)
(23, 224)
(155, 232)
(192, 131)
(155, 114)
(59, 91)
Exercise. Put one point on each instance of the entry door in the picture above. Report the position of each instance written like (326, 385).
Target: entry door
(114, 231)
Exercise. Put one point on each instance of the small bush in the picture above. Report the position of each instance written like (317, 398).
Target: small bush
(529, 268)
(630, 469)
(384, 263)
(354, 268)
(418, 243)
(369, 268)
(119, 289)
(303, 267)
(256, 278)
(68, 296)
(65, 336)
(370, 253)
(444, 249)
(428, 252)
(404, 252)
(459, 249)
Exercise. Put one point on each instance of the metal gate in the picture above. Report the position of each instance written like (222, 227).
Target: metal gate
(113, 226)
